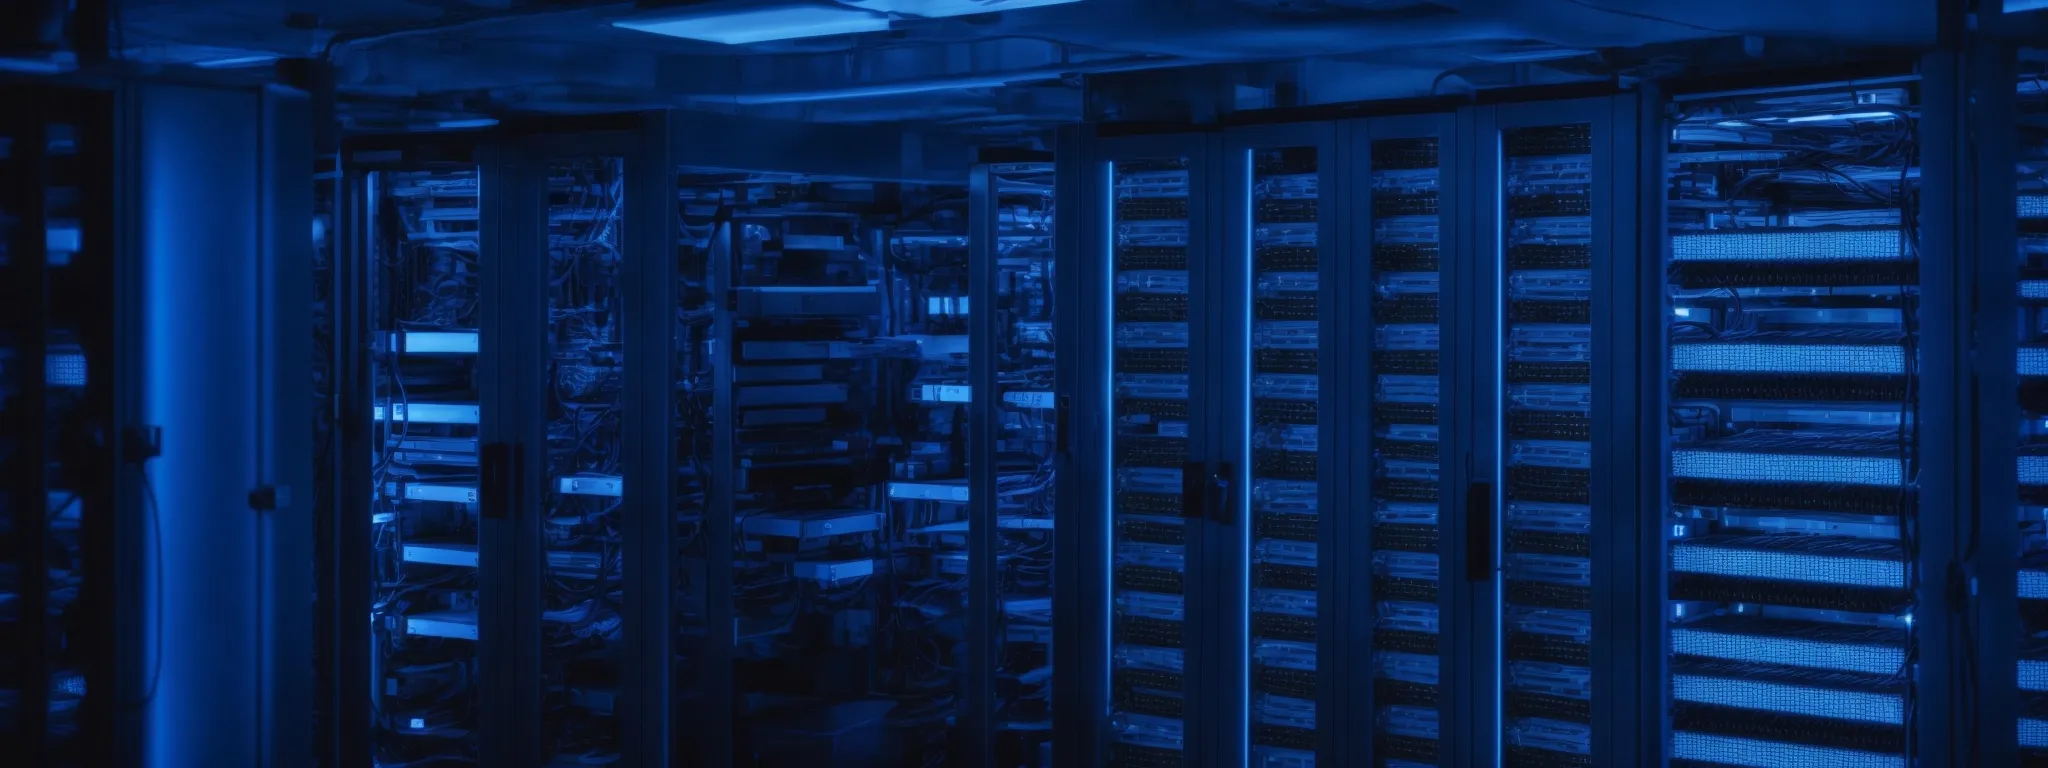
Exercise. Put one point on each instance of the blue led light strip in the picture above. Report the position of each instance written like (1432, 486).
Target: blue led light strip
(1792, 358)
(1730, 750)
(1874, 244)
(1764, 695)
(1787, 468)
(2033, 206)
(1788, 566)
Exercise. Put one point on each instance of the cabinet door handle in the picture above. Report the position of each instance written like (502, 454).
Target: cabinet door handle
(494, 480)
(1062, 415)
(1479, 531)
(1222, 501)
(1194, 493)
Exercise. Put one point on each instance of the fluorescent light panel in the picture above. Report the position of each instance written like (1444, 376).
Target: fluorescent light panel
(231, 62)
(1844, 116)
(739, 26)
(939, 9)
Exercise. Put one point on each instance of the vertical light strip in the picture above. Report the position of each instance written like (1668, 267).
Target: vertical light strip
(1244, 489)
(1109, 435)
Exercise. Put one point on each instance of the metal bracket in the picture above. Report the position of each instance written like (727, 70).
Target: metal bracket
(142, 442)
(270, 498)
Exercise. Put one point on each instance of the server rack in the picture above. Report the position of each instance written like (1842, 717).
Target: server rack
(1403, 562)
(1018, 435)
(1818, 272)
(606, 519)
(57, 693)
(490, 312)
(125, 421)
(1551, 460)
(1280, 249)
(2028, 209)
(1154, 221)
(871, 504)
(413, 218)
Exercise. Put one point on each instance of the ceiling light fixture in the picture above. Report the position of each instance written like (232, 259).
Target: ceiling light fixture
(232, 62)
(939, 9)
(738, 25)
(1842, 117)
(473, 122)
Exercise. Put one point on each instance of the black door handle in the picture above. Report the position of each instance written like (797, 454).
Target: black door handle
(1479, 531)
(1219, 485)
(1063, 410)
(1194, 491)
(498, 472)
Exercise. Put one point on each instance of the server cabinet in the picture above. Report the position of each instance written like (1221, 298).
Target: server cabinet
(56, 256)
(884, 454)
(1275, 258)
(1393, 497)
(135, 592)
(2017, 681)
(1016, 435)
(1548, 501)
(499, 301)
(1809, 368)
(420, 260)
(1158, 463)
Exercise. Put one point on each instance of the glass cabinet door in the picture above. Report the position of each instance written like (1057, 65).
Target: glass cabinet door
(1283, 246)
(1793, 285)
(845, 398)
(1015, 271)
(424, 294)
(1549, 247)
(45, 408)
(1407, 417)
(1155, 484)
(582, 520)
(22, 500)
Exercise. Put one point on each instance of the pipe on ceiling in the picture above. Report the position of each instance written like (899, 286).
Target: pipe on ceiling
(941, 83)
(349, 40)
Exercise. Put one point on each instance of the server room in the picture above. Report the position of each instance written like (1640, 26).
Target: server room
(1024, 384)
